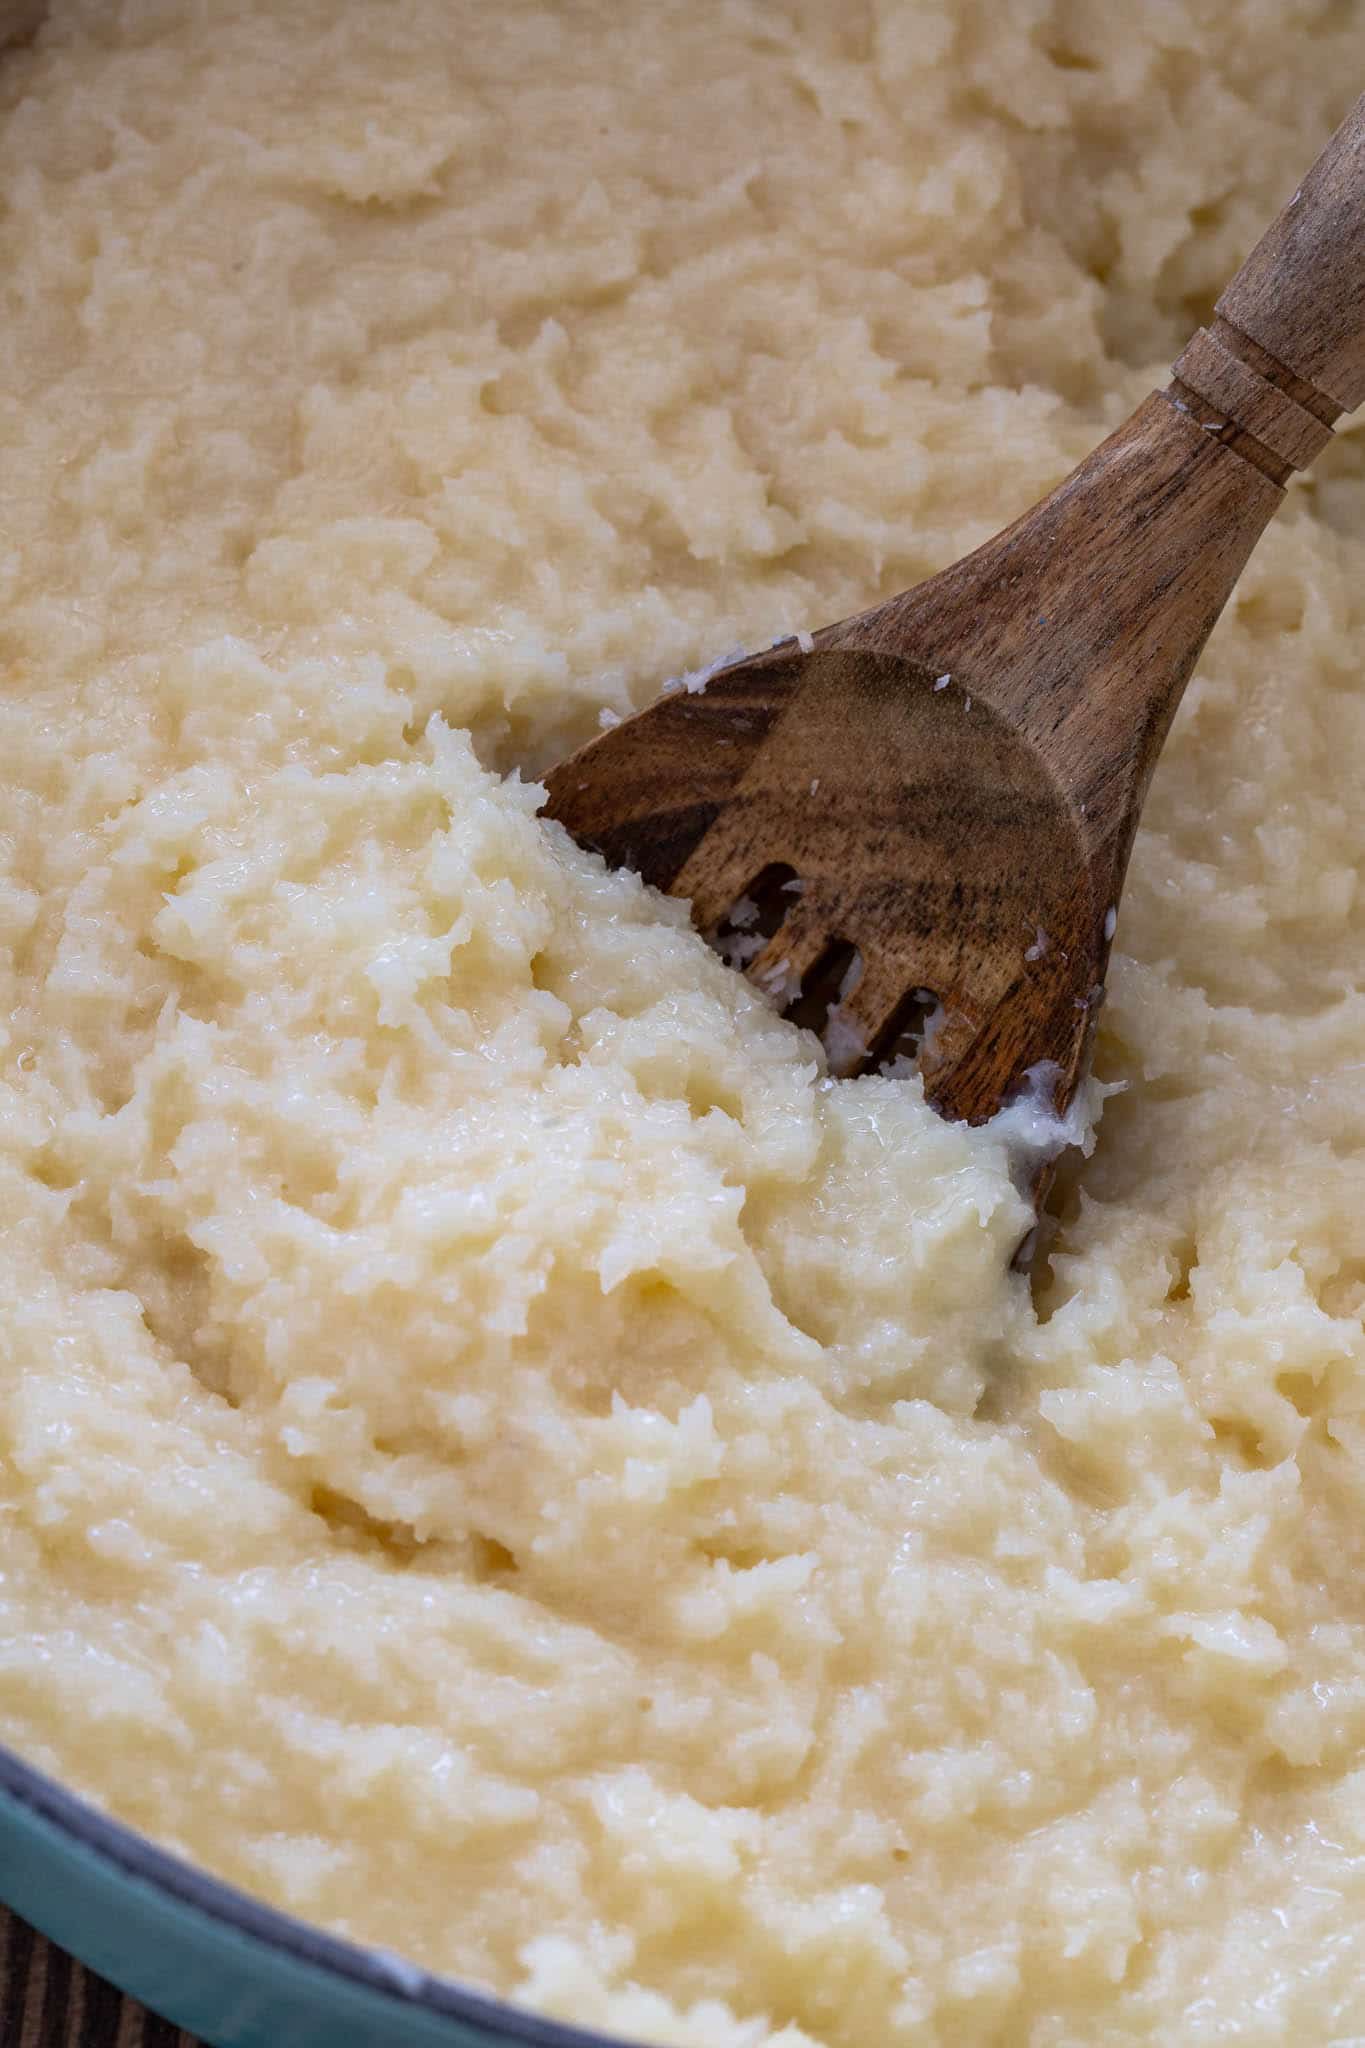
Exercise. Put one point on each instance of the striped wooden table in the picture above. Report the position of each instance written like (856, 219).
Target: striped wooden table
(49, 2001)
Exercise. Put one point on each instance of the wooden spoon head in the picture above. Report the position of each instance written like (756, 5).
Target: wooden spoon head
(949, 785)
(910, 824)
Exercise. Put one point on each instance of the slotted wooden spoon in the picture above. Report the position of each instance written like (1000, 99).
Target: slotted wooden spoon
(950, 783)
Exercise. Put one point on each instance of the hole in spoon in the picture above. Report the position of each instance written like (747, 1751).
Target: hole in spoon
(754, 917)
(910, 1037)
(819, 1005)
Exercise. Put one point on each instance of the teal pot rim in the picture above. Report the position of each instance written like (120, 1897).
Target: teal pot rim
(124, 1852)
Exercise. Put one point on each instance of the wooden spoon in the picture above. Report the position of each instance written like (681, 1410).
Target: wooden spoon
(20, 19)
(938, 797)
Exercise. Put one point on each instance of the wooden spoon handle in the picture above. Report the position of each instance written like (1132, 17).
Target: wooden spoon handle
(1285, 355)
(20, 19)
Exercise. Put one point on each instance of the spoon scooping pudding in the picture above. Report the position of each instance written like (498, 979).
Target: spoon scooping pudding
(941, 793)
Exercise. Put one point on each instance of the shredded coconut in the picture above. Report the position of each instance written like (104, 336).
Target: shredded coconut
(845, 1041)
(850, 978)
(1032, 1131)
(781, 983)
(737, 949)
(472, 1397)
(694, 680)
(932, 1028)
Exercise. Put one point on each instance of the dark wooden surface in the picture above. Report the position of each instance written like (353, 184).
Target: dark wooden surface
(49, 2001)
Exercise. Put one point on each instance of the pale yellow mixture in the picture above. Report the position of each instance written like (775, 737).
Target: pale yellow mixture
(497, 1454)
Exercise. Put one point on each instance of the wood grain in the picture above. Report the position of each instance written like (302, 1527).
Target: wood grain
(1300, 295)
(952, 781)
(47, 2000)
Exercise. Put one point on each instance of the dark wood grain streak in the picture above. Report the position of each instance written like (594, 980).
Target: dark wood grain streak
(20, 20)
(15, 1991)
(55, 2029)
(956, 776)
(47, 2000)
